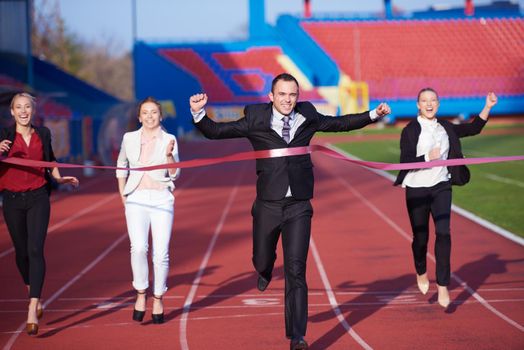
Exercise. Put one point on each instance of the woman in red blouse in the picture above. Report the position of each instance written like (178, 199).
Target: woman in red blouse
(26, 191)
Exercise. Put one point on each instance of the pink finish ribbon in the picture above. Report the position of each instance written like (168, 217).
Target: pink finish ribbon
(274, 153)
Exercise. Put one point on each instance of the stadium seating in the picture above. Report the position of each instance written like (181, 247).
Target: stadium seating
(240, 76)
(53, 109)
(458, 57)
(8, 83)
(47, 107)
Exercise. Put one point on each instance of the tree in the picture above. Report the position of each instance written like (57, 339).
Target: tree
(94, 62)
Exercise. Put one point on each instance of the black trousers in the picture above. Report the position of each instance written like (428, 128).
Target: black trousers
(435, 200)
(27, 217)
(292, 218)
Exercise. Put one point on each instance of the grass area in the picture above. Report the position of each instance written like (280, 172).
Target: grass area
(495, 192)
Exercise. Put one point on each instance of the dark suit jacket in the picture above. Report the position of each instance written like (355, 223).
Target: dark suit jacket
(45, 136)
(409, 139)
(276, 174)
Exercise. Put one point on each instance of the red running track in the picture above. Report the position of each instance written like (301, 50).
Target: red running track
(360, 274)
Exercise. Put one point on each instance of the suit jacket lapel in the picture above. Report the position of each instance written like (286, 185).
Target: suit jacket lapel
(306, 122)
(134, 147)
(268, 115)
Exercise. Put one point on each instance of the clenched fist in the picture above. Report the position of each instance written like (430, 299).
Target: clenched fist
(491, 100)
(383, 109)
(197, 102)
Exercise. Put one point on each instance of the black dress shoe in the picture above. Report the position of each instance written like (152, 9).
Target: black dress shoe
(262, 283)
(158, 318)
(138, 315)
(298, 344)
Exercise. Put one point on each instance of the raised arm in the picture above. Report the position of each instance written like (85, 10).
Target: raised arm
(353, 121)
(491, 100)
(478, 123)
(210, 128)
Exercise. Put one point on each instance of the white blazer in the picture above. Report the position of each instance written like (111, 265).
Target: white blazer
(130, 153)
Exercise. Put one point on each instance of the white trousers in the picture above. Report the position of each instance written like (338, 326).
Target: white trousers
(144, 209)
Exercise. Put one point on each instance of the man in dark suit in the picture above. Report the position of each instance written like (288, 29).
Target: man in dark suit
(284, 184)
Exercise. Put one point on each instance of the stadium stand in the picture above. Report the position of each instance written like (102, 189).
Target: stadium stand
(232, 77)
(347, 62)
(458, 57)
(71, 108)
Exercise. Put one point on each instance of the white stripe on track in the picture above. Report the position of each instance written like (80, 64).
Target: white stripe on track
(86, 269)
(69, 219)
(393, 302)
(333, 300)
(194, 286)
(504, 180)
(230, 296)
(404, 234)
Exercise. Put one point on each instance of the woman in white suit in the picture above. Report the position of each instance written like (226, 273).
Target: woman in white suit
(148, 200)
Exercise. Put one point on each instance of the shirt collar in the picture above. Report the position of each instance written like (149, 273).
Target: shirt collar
(426, 122)
(157, 134)
(280, 116)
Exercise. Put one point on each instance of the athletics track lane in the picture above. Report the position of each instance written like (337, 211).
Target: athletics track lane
(366, 261)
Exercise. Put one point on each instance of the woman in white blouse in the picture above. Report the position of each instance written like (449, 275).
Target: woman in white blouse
(148, 200)
(429, 190)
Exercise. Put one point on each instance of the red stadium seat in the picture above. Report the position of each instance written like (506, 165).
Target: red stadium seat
(250, 70)
(461, 57)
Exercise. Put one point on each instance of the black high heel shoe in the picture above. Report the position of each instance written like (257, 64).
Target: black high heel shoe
(139, 315)
(158, 318)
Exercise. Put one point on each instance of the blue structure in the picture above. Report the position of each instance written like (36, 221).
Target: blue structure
(189, 68)
(71, 99)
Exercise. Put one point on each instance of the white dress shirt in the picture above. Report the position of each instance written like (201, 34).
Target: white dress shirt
(432, 135)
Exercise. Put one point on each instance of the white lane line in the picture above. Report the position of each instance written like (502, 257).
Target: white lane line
(69, 219)
(194, 286)
(101, 256)
(332, 299)
(379, 303)
(468, 215)
(225, 317)
(229, 296)
(111, 298)
(504, 180)
(404, 234)
(119, 324)
(490, 226)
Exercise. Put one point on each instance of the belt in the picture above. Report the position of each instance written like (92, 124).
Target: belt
(39, 190)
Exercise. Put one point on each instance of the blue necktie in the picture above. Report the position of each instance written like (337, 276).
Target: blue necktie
(285, 129)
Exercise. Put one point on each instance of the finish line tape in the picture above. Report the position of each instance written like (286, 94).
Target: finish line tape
(273, 153)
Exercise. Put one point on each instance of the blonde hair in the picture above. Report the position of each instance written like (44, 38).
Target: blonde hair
(27, 95)
(426, 89)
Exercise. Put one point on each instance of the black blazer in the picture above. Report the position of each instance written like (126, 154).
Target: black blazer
(274, 175)
(45, 136)
(409, 139)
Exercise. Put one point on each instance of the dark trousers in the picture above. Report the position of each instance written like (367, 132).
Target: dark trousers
(292, 218)
(27, 217)
(421, 201)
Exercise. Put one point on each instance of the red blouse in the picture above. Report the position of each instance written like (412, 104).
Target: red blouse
(17, 178)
